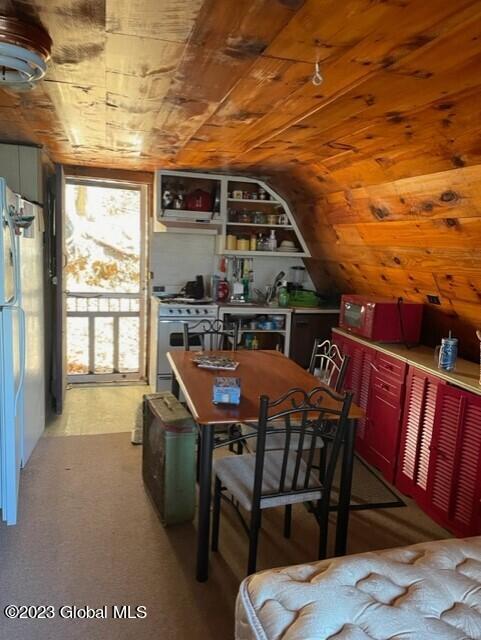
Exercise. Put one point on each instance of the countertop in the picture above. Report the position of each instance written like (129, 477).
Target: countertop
(262, 308)
(466, 375)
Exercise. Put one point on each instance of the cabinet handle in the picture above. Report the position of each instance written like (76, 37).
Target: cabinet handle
(385, 386)
(374, 367)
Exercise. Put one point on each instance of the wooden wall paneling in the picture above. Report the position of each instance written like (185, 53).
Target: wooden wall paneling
(78, 34)
(394, 40)
(464, 233)
(461, 286)
(455, 193)
(169, 20)
(224, 44)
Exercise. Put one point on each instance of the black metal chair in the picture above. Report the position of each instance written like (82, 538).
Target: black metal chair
(329, 364)
(271, 478)
(212, 335)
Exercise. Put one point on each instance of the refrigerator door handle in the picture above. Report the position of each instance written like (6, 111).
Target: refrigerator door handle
(21, 380)
(16, 267)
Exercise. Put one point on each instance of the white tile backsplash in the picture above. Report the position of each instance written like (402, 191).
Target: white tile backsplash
(178, 257)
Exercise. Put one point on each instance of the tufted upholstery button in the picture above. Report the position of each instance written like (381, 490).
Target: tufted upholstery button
(423, 592)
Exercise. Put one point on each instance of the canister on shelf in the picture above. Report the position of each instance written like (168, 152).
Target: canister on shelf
(253, 242)
(243, 243)
(231, 242)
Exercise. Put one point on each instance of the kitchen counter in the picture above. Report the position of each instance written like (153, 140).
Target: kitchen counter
(466, 375)
(328, 309)
(263, 308)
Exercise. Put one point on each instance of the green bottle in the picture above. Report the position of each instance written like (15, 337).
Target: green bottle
(283, 295)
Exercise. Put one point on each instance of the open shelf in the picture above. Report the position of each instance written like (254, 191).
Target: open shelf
(285, 254)
(257, 224)
(283, 331)
(189, 213)
(244, 200)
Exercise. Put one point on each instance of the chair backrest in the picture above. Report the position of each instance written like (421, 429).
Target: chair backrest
(213, 335)
(328, 364)
(320, 415)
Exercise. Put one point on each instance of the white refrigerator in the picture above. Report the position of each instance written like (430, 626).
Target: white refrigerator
(22, 377)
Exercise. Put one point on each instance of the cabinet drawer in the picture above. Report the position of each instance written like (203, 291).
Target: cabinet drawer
(387, 387)
(392, 367)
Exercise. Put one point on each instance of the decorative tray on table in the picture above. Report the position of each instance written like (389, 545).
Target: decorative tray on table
(220, 363)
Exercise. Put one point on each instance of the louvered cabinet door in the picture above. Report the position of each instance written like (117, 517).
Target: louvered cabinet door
(454, 468)
(416, 434)
(358, 381)
(364, 394)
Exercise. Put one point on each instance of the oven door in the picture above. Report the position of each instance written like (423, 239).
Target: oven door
(171, 338)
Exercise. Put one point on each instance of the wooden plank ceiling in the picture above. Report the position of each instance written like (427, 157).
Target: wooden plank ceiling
(382, 161)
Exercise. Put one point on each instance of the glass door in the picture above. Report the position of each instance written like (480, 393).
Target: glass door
(105, 280)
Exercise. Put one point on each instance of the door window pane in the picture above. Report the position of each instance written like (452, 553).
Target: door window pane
(104, 345)
(128, 344)
(77, 346)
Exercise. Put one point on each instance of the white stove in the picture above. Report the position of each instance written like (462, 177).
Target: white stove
(187, 310)
(172, 314)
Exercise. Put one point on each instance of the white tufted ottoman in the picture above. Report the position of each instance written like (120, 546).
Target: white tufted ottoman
(426, 591)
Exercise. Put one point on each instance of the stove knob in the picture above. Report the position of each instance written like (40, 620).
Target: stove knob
(171, 311)
(197, 311)
(188, 310)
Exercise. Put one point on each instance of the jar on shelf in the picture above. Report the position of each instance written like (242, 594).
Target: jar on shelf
(243, 243)
(244, 216)
(232, 215)
(231, 242)
(262, 194)
(253, 243)
(259, 217)
(272, 218)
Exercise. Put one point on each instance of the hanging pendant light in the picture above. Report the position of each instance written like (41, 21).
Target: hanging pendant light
(24, 53)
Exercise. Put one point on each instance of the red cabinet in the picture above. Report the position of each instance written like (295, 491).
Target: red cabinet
(440, 452)
(423, 433)
(377, 381)
(416, 434)
(454, 478)
(384, 418)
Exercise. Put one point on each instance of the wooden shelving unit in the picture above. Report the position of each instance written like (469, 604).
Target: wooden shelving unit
(221, 223)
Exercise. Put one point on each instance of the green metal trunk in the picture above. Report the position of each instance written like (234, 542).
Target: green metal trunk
(168, 460)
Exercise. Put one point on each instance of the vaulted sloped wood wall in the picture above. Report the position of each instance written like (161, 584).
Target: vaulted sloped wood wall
(411, 237)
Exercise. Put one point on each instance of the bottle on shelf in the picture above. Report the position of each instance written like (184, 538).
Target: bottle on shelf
(283, 295)
(253, 242)
(255, 342)
(272, 241)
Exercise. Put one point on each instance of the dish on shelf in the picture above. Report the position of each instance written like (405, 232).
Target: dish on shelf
(288, 249)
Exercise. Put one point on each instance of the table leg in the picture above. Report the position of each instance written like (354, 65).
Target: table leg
(345, 489)
(205, 481)
(175, 387)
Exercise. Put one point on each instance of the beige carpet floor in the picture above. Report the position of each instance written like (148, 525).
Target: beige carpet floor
(88, 535)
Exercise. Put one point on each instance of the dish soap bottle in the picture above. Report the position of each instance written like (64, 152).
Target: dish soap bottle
(272, 241)
(283, 295)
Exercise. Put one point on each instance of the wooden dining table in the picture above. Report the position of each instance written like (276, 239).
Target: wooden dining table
(268, 373)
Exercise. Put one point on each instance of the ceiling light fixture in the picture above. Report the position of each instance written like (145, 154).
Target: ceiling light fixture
(24, 53)
(317, 78)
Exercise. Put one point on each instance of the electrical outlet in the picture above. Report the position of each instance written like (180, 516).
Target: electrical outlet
(433, 299)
